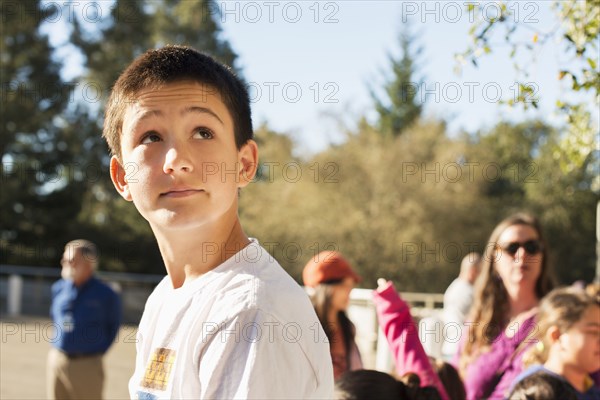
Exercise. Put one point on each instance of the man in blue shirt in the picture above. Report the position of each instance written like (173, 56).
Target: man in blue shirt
(86, 315)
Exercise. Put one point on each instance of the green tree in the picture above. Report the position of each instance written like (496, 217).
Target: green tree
(577, 32)
(370, 198)
(54, 162)
(505, 157)
(401, 105)
(408, 208)
(39, 165)
(566, 203)
(192, 23)
(578, 29)
(108, 47)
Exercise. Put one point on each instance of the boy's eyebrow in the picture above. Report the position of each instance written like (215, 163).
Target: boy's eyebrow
(148, 114)
(191, 109)
(201, 110)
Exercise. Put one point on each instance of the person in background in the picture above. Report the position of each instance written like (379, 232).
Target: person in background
(567, 340)
(330, 279)
(593, 289)
(515, 276)
(396, 322)
(450, 379)
(87, 315)
(370, 384)
(542, 386)
(458, 300)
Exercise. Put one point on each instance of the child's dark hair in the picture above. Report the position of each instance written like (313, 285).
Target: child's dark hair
(172, 64)
(370, 384)
(542, 386)
(450, 379)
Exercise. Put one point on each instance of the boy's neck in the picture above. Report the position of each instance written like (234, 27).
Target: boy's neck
(190, 254)
(575, 376)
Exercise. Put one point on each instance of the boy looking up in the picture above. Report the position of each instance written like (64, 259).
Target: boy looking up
(227, 321)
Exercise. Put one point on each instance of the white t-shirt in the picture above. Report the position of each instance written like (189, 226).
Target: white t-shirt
(245, 329)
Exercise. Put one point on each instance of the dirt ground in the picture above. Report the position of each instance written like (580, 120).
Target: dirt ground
(24, 345)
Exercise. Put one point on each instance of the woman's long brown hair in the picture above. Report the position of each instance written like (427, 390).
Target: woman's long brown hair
(488, 317)
(321, 301)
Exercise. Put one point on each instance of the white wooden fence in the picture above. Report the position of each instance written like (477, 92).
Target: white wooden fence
(26, 291)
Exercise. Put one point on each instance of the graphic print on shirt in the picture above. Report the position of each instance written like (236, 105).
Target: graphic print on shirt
(159, 369)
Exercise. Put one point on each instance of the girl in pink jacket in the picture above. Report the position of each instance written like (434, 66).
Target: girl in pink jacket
(402, 335)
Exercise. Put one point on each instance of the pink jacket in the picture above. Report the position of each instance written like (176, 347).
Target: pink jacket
(402, 335)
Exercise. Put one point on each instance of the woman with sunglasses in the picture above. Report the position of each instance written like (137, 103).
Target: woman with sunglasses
(514, 277)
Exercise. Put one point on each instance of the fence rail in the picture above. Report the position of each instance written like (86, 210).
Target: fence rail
(55, 273)
(26, 290)
(122, 280)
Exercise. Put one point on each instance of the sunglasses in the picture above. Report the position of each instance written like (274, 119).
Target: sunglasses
(531, 247)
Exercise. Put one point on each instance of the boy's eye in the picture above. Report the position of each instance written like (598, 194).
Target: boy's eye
(150, 137)
(203, 133)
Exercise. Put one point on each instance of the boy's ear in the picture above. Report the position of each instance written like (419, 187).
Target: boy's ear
(117, 175)
(248, 162)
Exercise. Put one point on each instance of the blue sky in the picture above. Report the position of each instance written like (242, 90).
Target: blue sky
(310, 63)
(351, 50)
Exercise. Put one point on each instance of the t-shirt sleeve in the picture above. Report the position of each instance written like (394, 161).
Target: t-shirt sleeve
(255, 356)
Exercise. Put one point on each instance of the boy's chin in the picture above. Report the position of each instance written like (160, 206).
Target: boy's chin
(165, 220)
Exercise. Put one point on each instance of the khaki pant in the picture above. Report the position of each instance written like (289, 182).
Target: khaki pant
(75, 378)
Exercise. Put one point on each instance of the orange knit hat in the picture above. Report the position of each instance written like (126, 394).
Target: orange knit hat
(327, 266)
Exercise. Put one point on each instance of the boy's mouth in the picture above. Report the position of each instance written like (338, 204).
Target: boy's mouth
(181, 192)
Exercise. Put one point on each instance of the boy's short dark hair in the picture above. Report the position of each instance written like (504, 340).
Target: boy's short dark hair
(172, 64)
(543, 386)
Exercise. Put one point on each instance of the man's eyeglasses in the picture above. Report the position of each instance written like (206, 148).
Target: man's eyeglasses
(532, 247)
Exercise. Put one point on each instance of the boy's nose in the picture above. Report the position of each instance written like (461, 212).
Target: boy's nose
(177, 159)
